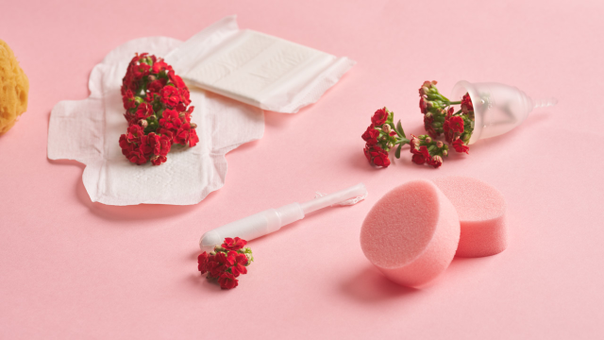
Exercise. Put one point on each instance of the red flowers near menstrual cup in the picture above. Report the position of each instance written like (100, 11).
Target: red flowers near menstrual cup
(156, 102)
(440, 118)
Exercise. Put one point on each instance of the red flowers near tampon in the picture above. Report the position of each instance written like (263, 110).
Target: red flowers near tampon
(226, 263)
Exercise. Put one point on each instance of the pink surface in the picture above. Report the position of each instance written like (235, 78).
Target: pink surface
(73, 269)
(411, 234)
(482, 215)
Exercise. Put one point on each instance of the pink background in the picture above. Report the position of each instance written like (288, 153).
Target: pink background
(71, 268)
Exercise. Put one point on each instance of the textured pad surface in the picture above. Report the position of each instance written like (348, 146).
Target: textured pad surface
(411, 233)
(481, 209)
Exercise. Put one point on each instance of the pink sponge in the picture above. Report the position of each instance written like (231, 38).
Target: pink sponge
(411, 233)
(481, 210)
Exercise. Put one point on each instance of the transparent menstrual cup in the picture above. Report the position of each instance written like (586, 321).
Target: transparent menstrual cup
(498, 108)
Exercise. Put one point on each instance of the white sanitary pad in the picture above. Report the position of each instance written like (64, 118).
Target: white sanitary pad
(255, 68)
(88, 132)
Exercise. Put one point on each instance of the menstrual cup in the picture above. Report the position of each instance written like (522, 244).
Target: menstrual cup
(498, 108)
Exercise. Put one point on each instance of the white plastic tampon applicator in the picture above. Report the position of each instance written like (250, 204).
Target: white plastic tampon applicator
(271, 220)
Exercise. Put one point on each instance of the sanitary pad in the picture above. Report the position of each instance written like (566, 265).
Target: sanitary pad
(88, 131)
(255, 68)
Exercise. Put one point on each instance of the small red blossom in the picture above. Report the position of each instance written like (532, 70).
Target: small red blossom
(377, 156)
(227, 281)
(170, 120)
(423, 105)
(170, 96)
(418, 158)
(460, 146)
(141, 70)
(435, 161)
(202, 262)
(239, 265)
(379, 117)
(371, 134)
(456, 124)
(234, 243)
(466, 104)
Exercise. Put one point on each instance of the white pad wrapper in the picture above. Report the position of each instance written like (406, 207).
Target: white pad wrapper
(257, 69)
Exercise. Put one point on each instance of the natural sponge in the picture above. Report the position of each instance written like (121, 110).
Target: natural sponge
(411, 233)
(482, 210)
(14, 88)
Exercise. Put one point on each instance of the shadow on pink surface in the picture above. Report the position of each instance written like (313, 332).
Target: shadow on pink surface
(370, 286)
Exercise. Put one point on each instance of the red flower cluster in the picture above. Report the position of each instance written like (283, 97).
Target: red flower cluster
(226, 262)
(156, 102)
(425, 150)
(379, 137)
(439, 118)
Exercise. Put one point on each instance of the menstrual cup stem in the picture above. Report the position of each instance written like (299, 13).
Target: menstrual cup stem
(546, 102)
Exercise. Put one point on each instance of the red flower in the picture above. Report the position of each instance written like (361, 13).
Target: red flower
(144, 111)
(170, 120)
(193, 139)
(466, 103)
(141, 70)
(170, 96)
(150, 145)
(185, 135)
(429, 127)
(227, 281)
(460, 146)
(379, 117)
(376, 155)
(160, 66)
(202, 262)
(156, 85)
(456, 124)
(135, 132)
(164, 145)
(423, 105)
(128, 100)
(418, 158)
(234, 243)
(176, 80)
(436, 161)
(239, 266)
(185, 95)
(214, 268)
(370, 136)
(137, 157)
(448, 131)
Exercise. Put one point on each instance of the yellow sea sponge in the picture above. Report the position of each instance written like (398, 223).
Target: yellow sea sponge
(14, 88)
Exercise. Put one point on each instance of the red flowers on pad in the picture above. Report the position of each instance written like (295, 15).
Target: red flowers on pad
(156, 102)
(226, 263)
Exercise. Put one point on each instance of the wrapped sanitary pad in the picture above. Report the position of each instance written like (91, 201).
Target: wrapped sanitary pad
(255, 68)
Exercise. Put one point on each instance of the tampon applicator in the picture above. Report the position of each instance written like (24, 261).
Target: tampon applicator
(271, 220)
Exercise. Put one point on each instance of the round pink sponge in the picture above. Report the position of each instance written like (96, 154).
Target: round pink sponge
(481, 209)
(411, 233)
